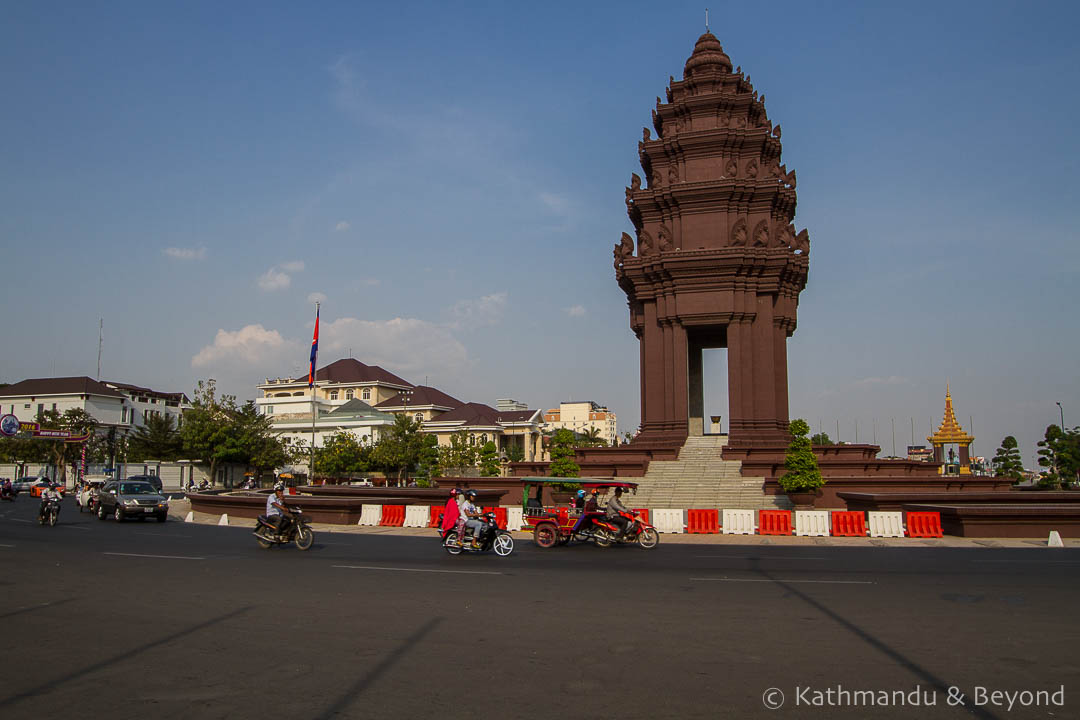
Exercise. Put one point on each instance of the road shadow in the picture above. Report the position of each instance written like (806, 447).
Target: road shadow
(892, 653)
(379, 670)
(75, 674)
(32, 608)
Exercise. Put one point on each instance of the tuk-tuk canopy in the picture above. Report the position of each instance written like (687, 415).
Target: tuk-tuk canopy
(587, 483)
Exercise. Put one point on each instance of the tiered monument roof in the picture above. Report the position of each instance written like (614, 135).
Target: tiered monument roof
(950, 431)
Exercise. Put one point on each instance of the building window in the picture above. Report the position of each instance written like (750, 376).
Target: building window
(366, 394)
(26, 406)
(419, 418)
(41, 409)
(333, 394)
(123, 416)
(349, 395)
(269, 410)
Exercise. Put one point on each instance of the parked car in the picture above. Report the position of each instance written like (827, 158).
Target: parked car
(37, 488)
(25, 483)
(131, 498)
(152, 479)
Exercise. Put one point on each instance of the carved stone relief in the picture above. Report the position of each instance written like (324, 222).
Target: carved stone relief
(738, 233)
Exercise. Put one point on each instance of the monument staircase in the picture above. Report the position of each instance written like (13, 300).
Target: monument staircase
(701, 478)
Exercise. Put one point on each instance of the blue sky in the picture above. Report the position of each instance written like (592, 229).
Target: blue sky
(449, 178)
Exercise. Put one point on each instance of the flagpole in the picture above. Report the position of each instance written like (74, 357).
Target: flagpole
(311, 385)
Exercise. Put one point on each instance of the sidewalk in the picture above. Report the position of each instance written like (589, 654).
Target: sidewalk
(179, 510)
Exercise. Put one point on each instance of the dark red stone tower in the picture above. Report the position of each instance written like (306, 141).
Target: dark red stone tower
(718, 262)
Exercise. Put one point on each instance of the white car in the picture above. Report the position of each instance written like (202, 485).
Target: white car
(89, 491)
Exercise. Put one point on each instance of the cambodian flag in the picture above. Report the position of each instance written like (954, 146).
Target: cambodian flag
(314, 350)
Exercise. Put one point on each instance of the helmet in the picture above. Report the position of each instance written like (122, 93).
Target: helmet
(470, 493)
(279, 487)
(581, 493)
(455, 492)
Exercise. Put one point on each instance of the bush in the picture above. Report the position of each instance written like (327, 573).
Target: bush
(803, 474)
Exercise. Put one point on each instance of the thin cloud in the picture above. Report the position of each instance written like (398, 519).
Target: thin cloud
(405, 345)
(293, 266)
(273, 279)
(316, 297)
(342, 226)
(487, 310)
(185, 253)
(251, 345)
(575, 311)
(558, 204)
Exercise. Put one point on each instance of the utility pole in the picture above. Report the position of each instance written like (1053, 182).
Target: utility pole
(100, 339)
(893, 422)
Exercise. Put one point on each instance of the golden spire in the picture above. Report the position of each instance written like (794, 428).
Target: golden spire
(950, 430)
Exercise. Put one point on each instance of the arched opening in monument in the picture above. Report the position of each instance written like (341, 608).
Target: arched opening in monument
(707, 376)
(715, 390)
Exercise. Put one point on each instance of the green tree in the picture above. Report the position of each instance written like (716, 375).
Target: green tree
(258, 445)
(591, 438)
(1048, 456)
(562, 455)
(1007, 462)
(515, 453)
(459, 455)
(427, 464)
(803, 474)
(157, 439)
(489, 460)
(399, 450)
(821, 438)
(208, 433)
(342, 454)
(21, 451)
(63, 454)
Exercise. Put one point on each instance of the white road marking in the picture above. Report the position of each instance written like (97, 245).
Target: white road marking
(3, 545)
(20, 520)
(759, 557)
(401, 569)
(1028, 562)
(73, 527)
(164, 557)
(792, 582)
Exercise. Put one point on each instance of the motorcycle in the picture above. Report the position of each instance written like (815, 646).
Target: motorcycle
(294, 529)
(490, 538)
(8, 494)
(637, 531)
(50, 512)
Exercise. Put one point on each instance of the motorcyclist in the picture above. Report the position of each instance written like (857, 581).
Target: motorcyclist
(450, 512)
(470, 518)
(49, 493)
(614, 511)
(276, 511)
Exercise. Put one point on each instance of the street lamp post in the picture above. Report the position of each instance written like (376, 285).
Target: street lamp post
(405, 394)
(1062, 418)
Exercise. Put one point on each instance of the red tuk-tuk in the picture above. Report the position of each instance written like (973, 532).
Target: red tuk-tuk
(585, 520)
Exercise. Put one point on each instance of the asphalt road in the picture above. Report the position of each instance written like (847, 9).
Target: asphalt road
(191, 621)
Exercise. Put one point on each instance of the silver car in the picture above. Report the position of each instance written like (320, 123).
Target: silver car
(129, 498)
